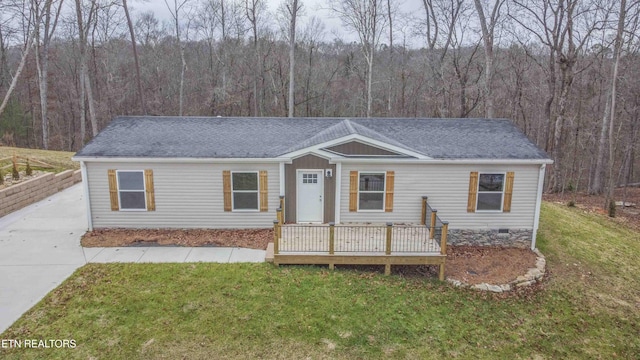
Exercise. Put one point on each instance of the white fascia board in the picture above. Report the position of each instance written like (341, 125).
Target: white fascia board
(175, 160)
(359, 138)
(319, 153)
(448, 161)
(281, 175)
(536, 216)
(338, 181)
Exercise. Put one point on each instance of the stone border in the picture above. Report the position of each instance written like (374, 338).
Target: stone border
(17, 196)
(533, 275)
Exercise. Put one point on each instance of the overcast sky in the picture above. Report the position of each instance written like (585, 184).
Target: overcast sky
(312, 8)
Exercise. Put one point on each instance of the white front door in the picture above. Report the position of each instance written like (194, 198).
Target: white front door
(310, 190)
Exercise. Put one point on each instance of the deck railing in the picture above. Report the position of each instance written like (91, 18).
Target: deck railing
(384, 244)
(336, 239)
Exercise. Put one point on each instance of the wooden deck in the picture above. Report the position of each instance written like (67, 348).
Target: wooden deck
(358, 245)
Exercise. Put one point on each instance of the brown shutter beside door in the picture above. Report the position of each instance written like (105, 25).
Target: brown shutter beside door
(148, 185)
(388, 203)
(473, 191)
(508, 192)
(113, 190)
(264, 194)
(226, 189)
(353, 191)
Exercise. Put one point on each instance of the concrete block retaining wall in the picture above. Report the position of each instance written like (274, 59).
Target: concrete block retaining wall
(25, 193)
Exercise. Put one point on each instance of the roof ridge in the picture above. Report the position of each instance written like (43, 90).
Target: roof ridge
(349, 126)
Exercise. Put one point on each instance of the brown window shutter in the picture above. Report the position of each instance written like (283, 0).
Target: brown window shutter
(388, 203)
(508, 192)
(148, 185)
(113, 190)
(264, 194)
(226, 188)
(353, 191)
(473, 191)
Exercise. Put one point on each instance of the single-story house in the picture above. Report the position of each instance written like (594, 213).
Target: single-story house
(482, 175)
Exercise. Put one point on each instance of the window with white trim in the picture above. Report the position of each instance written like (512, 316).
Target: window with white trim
(244, 187)
(131, 190)
(371, 191)
(490, 192)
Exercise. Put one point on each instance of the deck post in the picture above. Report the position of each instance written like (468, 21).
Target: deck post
(432, 229)
(423, 218)
(388, 246)
(276, 237)
(282, 207)
(279, 216)
(332, 239)
(443, 247)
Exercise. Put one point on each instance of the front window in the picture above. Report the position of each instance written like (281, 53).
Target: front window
(131, 190)
(371, 191)
(490, 192)
(245, 190)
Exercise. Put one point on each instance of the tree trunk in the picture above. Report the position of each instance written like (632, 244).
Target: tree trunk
(16, 76)
(143, 107)
(487, 37)
(293, 11)
(614, 83)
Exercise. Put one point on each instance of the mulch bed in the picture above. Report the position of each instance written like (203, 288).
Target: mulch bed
(252, 238)
(470, 264)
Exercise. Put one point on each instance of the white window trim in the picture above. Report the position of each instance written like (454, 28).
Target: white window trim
(257, 191)
(384, 191)
(144, 191)
(504, 183)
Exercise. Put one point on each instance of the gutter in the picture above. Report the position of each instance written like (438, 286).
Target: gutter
(332, 160)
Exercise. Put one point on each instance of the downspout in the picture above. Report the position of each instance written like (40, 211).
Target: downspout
(338, 177)
(536, 218)
(85, 186)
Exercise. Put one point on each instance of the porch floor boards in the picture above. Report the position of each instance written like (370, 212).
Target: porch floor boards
(357, 240)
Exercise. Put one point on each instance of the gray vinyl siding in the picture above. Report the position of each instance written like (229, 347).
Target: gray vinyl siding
(447, 187)
(187, 196)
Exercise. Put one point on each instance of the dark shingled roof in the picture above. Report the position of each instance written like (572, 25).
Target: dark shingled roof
(218, 137)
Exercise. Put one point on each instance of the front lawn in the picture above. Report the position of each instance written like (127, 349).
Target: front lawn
(589, 308)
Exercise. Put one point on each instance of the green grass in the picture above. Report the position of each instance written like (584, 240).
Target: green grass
(60, 160)
(589, 308)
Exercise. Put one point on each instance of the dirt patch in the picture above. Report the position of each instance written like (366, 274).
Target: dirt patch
(8, 178)
(491, 265)
(252, 239)
(469, 264)
(629, 215)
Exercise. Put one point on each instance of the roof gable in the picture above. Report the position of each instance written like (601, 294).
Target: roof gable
(357, 148)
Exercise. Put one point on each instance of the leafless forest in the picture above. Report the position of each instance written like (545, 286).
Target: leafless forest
(565, 71)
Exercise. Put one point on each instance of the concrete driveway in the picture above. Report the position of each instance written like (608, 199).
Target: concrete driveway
(40, 248)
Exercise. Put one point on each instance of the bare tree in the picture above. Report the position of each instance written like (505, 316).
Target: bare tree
(366, 18)
(564, 27)
(253, 12)
(31, 35)
(134, 46)
(86, 93)
(488, 26)
(175, 10)
(44, 33)
(293, 7)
